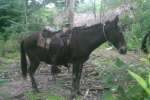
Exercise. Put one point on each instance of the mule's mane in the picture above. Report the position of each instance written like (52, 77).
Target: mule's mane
(100, 25)
(87, 27)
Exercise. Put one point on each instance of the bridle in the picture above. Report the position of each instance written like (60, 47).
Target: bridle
(105, 36)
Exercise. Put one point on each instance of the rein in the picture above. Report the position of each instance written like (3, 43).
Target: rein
(105, 36)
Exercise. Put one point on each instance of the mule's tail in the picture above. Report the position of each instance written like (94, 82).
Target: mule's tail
(144, 42)
(23, 61)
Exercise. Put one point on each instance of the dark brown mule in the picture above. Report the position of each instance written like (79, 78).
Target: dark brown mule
(82, 42)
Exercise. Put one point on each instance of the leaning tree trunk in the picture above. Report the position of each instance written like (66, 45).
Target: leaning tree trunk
(94, 8)
(70, 4)
(26, 14)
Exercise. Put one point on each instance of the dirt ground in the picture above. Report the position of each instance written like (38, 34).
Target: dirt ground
(91, 86)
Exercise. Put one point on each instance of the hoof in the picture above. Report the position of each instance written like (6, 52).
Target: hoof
(55, 70)
(80, 93)
(73, 96)
(36, 91)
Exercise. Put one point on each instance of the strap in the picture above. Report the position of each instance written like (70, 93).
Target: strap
(104, 32)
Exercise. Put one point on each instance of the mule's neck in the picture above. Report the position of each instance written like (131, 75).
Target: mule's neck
(92, 37)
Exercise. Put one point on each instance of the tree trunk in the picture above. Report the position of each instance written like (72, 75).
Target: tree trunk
(26, 14)
(26, 11)
(94, 8)
(70, 4)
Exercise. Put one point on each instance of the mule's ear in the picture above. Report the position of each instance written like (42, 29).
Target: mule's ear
(116, 19)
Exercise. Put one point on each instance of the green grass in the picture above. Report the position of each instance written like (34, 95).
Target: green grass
(42, 96)
(48, 95)
(3, 81)
(9, 59)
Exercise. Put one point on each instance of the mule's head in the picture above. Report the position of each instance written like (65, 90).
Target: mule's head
(115, 36)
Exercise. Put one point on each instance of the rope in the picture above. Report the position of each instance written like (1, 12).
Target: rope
(104, 32)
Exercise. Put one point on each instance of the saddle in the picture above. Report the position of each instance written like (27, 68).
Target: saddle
(49, 38)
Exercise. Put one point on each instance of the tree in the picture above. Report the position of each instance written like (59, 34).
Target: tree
(70, 5)
(9, 14)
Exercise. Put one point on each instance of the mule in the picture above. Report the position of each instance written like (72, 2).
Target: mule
(82, 41)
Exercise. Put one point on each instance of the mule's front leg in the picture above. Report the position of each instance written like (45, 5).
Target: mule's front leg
(34, 85)
(76, 75)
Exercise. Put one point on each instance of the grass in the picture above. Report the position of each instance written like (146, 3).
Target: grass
(5, 96)
(42, 96)
(10, 58)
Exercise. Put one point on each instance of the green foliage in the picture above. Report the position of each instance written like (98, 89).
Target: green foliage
(138, 23)
(40, 18)
(112, 3)
(143, 83)
(18, 19)
(88, 6)
(54, 98)
(11, 12)
(2, 81)
(108, 95)
(113, 73)
(135, 34)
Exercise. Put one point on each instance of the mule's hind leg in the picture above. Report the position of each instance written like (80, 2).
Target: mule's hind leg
(32, 69)
(54, 71)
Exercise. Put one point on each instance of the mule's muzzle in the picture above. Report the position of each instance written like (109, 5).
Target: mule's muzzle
(123, 50)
